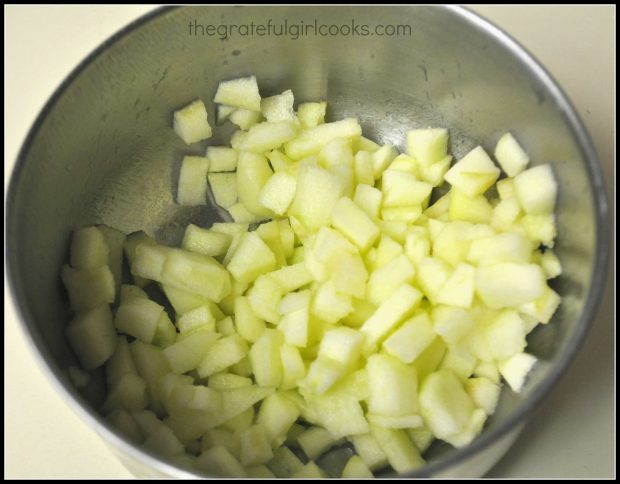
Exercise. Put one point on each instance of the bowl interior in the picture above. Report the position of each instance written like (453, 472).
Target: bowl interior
(103, 151)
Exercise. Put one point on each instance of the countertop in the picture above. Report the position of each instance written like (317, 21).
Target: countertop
(571, 435)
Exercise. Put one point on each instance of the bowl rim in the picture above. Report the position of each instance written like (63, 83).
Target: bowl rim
(598, 276)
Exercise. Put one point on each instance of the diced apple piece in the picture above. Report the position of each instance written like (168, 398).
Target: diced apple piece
(368, 198)
(222, 354)
(120, 363)
(432, 273)
(369, 451)
(542, 308)
(505, 335)
(131, 244)
(405, 163)
(330, 305)
(265, 358)
(221, 159)
(278, 107)
(284, 463)
(196, 273)
(488, 370)
(295, 309)
(323, 374)
(188, 352)
(259, 472)
(237, 401)
(265, 297)
(355, 468)
(223, 112)
(192, 187)
(225, 327)
(504, 247)
(540, 228)
(276, 416)
(240, 93)
(400, 452)
(124, 422)
(393, 387)
(317, 193)
(278, 193)
(309, 471)
(550, 264)
(536, 189)
(387, 251)
(224, 437)
(191, 122)
(139, 318)
(244, 118)
(343, 345)
(249, 326)
(484, 393)
(240, 213)
(293, 368)
(152, 364)
(509, 284)
(476, 209)
(452, 323)
(411, 339)
(253, 172)
(88, 288)
(515, 369)
(340, 414)
(311, 141)
(387, 316)
(510, 155)
(384, 281)
(427, 145)
(402, 214)
(421, 437)
(148, 261)
(392, 422)
(403, 189)
(459, 360)
(280, 162)
(265, 136)
(128, 393)
(315, 441)
(292, 277)
(224, 188)
(354, 223)
(201, 317)
(361, 143)
(458, 289)
(92, 336)
(381, 159)
(362, 165)
(251, 259)
(220, 462)
(474, 173)
(446, 406)
(435, 172)
(255, 447)
(311, 114)
(204, 241)
(228, 381)
(89, 249)
(115, 240)
(417, 246)
(336, 152)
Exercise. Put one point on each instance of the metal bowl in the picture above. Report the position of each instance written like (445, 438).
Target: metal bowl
(102, 151)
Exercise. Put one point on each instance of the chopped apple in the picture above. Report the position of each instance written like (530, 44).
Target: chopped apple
(191, 122)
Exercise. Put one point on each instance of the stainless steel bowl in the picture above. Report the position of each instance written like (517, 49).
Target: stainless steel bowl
(102, 151)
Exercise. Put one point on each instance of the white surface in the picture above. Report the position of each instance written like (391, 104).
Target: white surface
(571, 435)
